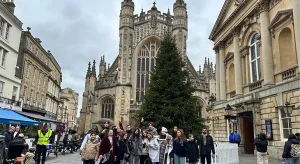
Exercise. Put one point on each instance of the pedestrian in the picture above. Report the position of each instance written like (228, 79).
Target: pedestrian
(153, 148)
(174, 132)
(108, 148)
(88, 136)
(122, 150)
(290, 146)
(180, 148)
(128, 130)
(231, 138)
(166, 146)
(17, 132)
(26, 154)
(135, 144)
(42, 139)
(206, 144)
(8, 135)
(237, 138)
(145, 150)
(90, 151)
(152, 129)
(193, 150)
(125, 138)
(261, 144)
(105, 130)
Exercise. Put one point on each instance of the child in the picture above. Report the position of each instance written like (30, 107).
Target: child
(193, 151)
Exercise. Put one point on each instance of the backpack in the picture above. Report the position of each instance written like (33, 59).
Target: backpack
(295, 150)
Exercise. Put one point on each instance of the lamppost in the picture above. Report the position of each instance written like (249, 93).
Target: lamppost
(288, 108)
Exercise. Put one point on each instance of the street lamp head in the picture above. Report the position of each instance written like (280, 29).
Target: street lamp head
(288, 108)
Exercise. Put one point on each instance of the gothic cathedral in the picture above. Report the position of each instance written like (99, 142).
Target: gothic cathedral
(118, 90)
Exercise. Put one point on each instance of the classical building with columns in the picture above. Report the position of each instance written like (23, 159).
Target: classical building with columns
(257, 45)
(118, 90)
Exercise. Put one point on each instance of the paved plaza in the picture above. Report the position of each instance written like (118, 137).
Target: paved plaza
(75, 159)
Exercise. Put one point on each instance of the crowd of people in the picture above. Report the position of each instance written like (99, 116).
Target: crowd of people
(117, 145)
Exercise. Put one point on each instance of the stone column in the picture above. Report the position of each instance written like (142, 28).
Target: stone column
(296, 15)
(266, 43)
(222, 71)
(217, 75)
(237, 62)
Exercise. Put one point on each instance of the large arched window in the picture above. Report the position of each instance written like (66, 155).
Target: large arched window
(145, 64)
(255, 67)
(287, 51)
(108, 108)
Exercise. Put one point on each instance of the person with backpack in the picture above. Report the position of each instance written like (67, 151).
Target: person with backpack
(88, 136)
(261, 144)
(237, 138)
(231, 138)
(291, 150)
(90, 151)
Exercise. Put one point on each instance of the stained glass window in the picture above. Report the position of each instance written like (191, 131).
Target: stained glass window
(108, 107)
(145, 64)
(255, 69)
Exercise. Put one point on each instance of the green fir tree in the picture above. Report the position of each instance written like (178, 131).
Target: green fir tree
(169, 100)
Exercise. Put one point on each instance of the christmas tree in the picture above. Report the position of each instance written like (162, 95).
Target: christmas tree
(169, 100)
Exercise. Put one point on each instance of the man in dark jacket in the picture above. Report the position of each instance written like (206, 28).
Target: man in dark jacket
(8, 135)
(292, 139)
(206, 144)
(261, 144)
(193, 150)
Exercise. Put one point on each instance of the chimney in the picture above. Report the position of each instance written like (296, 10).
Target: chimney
(9, 4)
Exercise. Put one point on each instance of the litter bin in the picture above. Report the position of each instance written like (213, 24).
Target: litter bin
(2, 138)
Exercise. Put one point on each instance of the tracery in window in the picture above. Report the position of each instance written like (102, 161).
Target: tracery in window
(108, 108)
(145, 64)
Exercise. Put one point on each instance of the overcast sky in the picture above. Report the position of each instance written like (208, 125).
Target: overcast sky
(79, 31)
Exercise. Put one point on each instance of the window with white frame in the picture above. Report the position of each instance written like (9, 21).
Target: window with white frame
(1, 88)
(1, 26)
(7, 31)
(285, 124)
(14, 93)
(3, 55)
(255, 67)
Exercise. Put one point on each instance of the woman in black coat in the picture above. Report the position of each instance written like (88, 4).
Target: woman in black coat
(193, 150)
(122, 150)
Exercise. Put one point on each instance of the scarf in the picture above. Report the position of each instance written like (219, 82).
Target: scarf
(204, 139)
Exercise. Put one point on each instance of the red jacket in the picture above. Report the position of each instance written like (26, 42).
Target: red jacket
(105, 147)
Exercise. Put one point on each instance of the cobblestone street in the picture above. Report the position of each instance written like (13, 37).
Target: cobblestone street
(64, 159)
(75, 159)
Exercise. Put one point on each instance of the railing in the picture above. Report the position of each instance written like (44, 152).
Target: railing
(10, 104)
(255, 85)
(289, 73)
(232, 94)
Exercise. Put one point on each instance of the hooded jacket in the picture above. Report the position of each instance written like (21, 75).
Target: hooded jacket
(193, 151)
(287, 146)
(261, 143)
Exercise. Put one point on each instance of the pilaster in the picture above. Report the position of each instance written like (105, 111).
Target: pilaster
(237, 61)
(296, 15)
(222, 71)
(217, 74)
(266, 44)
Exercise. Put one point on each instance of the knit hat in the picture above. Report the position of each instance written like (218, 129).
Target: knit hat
(163, 129)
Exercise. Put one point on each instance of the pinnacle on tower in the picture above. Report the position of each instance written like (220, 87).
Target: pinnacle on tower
(154, 7)
(208, 61)
(205, 61)
(88, 73)
(94, 69)
(199, 68)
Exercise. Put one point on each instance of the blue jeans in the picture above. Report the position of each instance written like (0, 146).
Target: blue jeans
(293, 161)
(179, 160)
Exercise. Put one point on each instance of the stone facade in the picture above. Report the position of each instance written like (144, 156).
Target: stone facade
(69, 107)
(257, 56)
(118, 90)
(10, 33)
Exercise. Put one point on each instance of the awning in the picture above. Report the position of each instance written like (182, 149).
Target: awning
(37, 116)
(11, 117)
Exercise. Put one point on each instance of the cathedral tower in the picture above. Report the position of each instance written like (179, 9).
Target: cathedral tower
(126, 38)
(180, 25)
